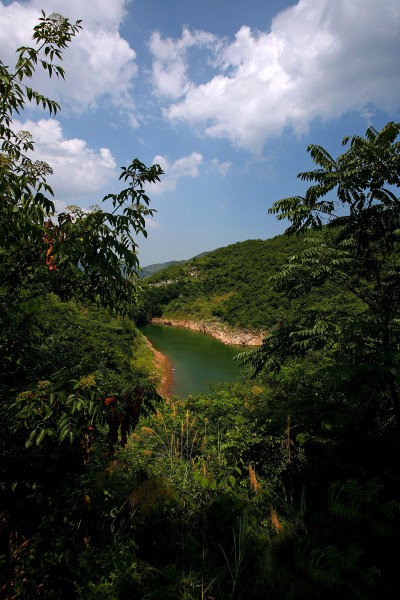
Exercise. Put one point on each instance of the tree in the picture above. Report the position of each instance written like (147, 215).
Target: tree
(353, 206)
(48, 413)
(77, 254)
(333, 363)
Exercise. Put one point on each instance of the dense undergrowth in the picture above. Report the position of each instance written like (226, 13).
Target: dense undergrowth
(217, 496)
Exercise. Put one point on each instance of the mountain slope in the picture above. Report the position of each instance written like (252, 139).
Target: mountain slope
(152, 269)
(156, 267)
(230, 284)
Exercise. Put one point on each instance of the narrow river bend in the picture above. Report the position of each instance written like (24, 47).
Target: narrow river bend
(197, 358)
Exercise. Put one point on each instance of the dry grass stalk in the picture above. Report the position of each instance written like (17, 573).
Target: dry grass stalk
(276, 524)
(148, 430)
(149, 494)
(255, 486)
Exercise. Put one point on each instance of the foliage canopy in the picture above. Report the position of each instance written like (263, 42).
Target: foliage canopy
(90, 255)
(59, 385)
(358, 252)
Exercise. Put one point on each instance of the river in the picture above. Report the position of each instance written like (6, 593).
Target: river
(197, 358)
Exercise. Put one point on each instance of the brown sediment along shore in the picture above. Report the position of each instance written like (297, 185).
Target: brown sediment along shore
(163, 372)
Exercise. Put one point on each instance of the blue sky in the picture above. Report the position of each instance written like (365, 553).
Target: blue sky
(226, 95)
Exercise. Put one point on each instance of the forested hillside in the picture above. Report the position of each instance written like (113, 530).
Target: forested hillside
(232, 284)
(155, 268)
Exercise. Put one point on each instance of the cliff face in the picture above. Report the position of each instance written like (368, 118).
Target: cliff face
(223, 333)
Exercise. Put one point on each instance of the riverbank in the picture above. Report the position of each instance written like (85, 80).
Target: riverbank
(221, 332)
(163, 371)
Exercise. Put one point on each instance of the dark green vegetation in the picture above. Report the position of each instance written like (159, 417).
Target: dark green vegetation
(54, 410)
(282, 485)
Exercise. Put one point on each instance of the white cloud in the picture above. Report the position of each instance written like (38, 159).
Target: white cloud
(59, 206)
(100, 65)
(187, 166)
(217, 166)
(102, 13)
(151, 223)
(170, 61)
(78, 171)
(320, 59)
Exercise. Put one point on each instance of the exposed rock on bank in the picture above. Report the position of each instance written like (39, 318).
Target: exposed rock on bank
(223, 333)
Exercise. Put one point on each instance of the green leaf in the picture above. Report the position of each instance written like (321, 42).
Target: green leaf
(41, 437)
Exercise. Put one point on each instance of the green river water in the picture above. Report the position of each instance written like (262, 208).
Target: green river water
(197, 359)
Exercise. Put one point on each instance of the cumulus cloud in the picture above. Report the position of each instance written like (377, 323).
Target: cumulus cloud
(320, 59)
(187, 166)
(170, 64)
(100, 65)
(96, 13)
(78, 171)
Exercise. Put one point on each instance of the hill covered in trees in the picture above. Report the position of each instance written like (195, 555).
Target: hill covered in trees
(230, 284)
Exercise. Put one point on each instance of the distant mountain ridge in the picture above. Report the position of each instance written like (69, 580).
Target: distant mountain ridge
(156, 267)
(152, 269)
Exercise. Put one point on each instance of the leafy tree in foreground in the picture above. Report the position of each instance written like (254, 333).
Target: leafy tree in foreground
(77, 254)
(358, 252)
(333, 366)
(48, 419)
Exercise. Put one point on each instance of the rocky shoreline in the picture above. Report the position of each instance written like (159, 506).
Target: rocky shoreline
(223, 333)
